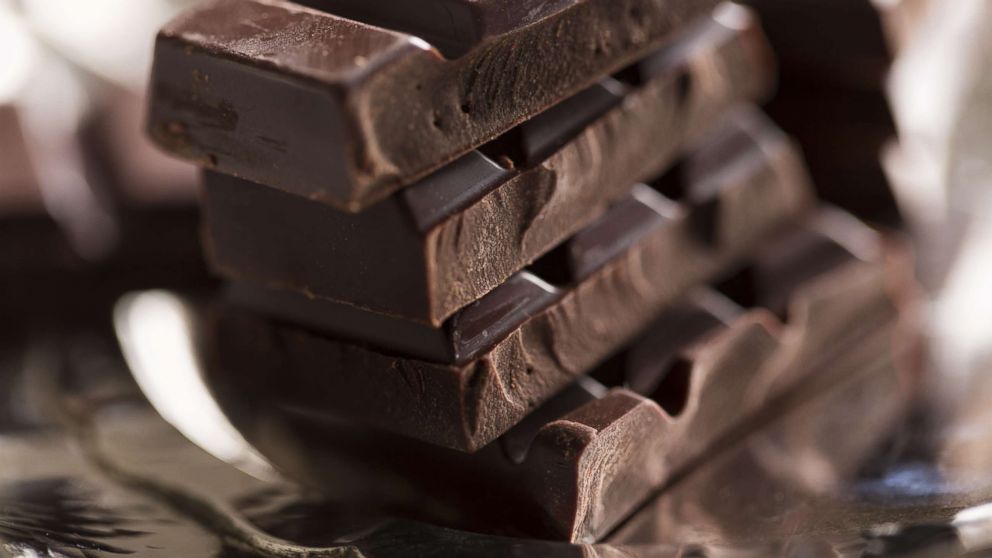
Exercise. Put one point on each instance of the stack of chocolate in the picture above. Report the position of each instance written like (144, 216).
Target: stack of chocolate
(503, 254)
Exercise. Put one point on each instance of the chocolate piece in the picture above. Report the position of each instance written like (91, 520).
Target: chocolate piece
(334, 135)
(475, 223)
(529, 354)
(583, 461)
(746, 158)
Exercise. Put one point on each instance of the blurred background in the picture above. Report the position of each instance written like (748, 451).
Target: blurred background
(891, 101)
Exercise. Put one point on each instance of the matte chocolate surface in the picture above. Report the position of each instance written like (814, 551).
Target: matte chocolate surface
(583, 461)
(636, 261)
(474, 223)
(334, 136)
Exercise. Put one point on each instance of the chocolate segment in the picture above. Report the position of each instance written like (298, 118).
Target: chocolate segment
(698, 377)
(474, 223)
(756, 163)
(334, 135)
(467, 405)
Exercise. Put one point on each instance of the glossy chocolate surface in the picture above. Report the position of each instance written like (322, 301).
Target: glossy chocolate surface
(475, 223)
(334, 137)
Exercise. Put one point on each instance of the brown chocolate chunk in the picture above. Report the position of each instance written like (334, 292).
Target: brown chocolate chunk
(345, 113)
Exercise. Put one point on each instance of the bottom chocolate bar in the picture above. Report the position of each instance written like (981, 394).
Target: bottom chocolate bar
(586, 459)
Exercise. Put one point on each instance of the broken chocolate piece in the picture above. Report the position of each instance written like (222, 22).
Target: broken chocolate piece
(334, 135)
(475, 223)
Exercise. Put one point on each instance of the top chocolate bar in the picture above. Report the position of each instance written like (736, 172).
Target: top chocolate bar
(344, 112)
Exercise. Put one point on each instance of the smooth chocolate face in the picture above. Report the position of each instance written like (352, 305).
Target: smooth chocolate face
(446, 241)
(334, 136)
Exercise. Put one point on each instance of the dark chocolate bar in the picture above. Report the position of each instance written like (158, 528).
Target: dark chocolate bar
(583, 461)
(745, 155)
(518, 345)
(345, 113)
(446, 241)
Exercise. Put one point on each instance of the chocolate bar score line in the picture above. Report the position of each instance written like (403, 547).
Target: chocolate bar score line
(363, 111)
(529, 338)
(475, 223)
